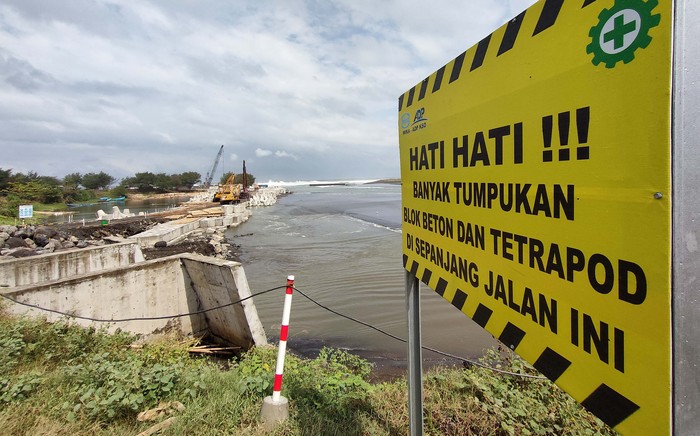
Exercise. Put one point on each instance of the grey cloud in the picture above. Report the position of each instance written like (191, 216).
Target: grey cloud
(22, 75)
(108, 19)
(113, 89)
(229, 69)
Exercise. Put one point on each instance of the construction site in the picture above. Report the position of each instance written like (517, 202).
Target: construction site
(149, 269)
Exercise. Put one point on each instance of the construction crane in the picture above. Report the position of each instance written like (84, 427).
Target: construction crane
(210, 174)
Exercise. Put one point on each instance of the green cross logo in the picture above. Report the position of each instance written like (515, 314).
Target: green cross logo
(621, 27)
(621, 30)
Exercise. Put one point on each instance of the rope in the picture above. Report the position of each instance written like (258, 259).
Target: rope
(150, 318)
(355, 320)
(463, 359)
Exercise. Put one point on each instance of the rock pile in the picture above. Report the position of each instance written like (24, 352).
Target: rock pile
(207, 241)
(32, 240)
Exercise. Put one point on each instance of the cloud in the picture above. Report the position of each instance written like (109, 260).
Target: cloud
(159, 85)
(259, 152)
(284, 154)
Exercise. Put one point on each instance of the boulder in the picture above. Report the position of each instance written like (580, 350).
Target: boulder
(15, 242)
(67, 244)
(41, 239)
(29, 242)
(4, 236)
(81, 244)
(22, 252)
(217, 238)
(8, 229)
(45, 230)
(160, 244)
(25, 232)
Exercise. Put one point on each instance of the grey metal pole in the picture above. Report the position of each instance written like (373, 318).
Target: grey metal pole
(415, 357)
(686, 211)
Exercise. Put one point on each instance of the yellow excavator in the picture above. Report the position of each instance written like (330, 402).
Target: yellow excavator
(229, 192)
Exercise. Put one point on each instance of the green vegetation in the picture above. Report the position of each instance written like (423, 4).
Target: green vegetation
(238, 178)
(31, 188)
(63, 379)
(50, 193)
(161, 182)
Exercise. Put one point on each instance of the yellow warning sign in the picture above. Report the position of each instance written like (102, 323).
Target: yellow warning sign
(537, 197)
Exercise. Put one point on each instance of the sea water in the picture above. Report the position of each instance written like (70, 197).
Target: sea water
(343, 245)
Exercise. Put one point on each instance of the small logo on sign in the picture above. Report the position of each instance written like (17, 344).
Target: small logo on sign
(420, 116)
(621, 30)
(419, 121)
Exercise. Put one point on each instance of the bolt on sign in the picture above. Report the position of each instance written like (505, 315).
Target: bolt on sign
(537, 197)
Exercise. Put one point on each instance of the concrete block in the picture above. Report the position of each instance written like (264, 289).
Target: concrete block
(239, 208)
(274, 412)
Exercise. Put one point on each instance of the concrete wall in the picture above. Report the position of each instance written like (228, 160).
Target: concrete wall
(166, 232)
(68, 263)
(217, 283)
(174, 231)
(158, 288)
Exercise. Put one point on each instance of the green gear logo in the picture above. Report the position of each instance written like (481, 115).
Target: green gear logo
(621, 30)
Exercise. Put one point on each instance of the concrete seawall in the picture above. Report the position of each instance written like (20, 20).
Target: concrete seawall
(175, 231)
(159, 288)
(101, 284)
(65, 264)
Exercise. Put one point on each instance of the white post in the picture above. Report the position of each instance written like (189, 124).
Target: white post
(284, 332)
(275, 409)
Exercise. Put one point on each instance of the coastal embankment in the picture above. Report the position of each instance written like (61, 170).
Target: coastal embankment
(96, 267)
(205, 236)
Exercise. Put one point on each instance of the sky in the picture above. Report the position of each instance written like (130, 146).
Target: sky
(299, 89)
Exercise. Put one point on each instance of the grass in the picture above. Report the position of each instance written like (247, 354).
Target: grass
(12, 221)
(62, 379)
(50, 207)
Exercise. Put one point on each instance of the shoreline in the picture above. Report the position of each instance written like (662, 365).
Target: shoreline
(385, 366)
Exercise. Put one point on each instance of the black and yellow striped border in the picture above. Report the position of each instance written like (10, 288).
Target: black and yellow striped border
(603, 401)
(477, 53)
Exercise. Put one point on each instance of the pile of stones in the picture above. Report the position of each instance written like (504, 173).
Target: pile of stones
(33, 240)
(215, 237)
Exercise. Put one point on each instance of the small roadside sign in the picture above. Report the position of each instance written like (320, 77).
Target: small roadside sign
(26, 211)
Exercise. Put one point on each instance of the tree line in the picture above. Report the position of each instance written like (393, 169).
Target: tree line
(76, 187)
(16, 188)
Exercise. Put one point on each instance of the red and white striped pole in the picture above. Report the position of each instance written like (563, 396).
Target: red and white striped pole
(284, 332)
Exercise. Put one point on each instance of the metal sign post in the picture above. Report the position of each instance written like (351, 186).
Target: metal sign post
(415, 356)
(686, 210)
